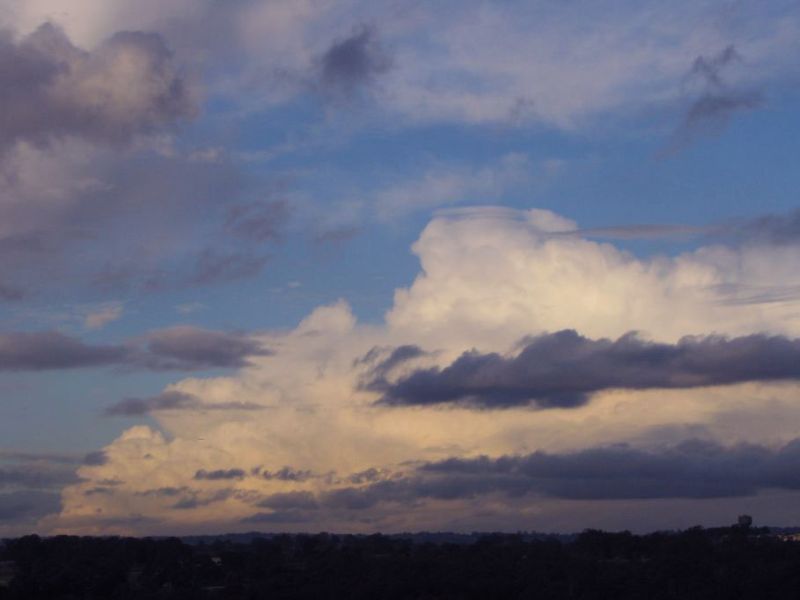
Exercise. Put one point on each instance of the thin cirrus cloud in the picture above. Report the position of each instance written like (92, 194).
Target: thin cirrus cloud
(176, 348)
(563, 370)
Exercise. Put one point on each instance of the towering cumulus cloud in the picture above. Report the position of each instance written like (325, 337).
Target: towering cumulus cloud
(345, 426)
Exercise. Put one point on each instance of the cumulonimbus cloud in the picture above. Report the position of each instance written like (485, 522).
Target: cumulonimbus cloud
(488, 276)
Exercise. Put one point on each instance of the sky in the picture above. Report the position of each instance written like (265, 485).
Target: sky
(358, 266)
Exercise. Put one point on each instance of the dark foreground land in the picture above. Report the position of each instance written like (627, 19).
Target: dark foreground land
(697, 563)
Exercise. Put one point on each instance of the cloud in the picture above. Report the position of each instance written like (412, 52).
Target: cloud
(102, 316)
(220, 474)
(452, 61)
(691, 469)
(126, 86)
(287, 474)
(563, 369)
(213, 266)
(173, 348)
(95, 458)
(173, 401)
(382, 368)
(487, 276)
(32, 476)
(717, 102)
(22, 507)
(184, 347)
(290, 501)
(23, 351)
(769, 229)
(352, 63)
(258, 222)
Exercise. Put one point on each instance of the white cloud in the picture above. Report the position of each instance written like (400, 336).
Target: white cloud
(103, 315)
(546, 62)
(489, 277)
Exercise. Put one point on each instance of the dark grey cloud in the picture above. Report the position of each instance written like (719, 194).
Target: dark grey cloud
(640, 231)
(563, 369)
(196, 500)
(382, 364)
(24, 506)
(220, 474)
(352, 63)
(82, 246)
(31, 476)
(287, 474)
(165, 492)
(130, 407)
(366, 476)
(692, 469)
(258, 222)
(717, 102)
(172, 400)
(212, 266)
(287, 501)
(10, 293)
(279, 517)
(187, 348)
(49, 88)
(775, 229)
(38, 351)
(95, 458)
(99, 491)
(175, 348)
(40, 457)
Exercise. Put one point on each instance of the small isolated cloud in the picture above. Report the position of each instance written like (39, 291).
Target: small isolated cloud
(220, 474)
(717, 102)
(287, 474)
(563, 369)
(352, 63)
(189, 308)
(102, 316)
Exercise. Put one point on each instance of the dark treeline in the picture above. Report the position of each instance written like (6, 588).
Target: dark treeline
(697, 563)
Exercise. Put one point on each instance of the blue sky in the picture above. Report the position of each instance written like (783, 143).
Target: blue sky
(224, 214)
